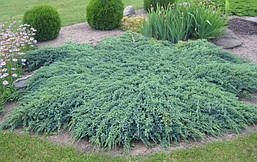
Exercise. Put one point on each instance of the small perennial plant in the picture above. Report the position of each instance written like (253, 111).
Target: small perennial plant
(15, 40)
(197, 19)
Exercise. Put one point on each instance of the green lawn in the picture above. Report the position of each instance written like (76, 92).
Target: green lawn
(240, 7)
(31, 148)
(71, 11)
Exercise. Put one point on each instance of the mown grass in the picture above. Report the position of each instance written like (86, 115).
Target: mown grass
(239, 7)
(15, 147)
(71, 11)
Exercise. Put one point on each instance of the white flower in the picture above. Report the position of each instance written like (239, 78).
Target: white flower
(14, 60)
(3, 63)
(5, 82)
(14, 75)
(4, 70)
(4, 75)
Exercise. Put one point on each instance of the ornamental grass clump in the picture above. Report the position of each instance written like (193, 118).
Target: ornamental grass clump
(148, 4)
(185, 20)
(15, 40)
(132, 88)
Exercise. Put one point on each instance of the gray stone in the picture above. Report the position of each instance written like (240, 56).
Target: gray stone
(252, 19)
(228, 40)
(21, 82)
(129, 11)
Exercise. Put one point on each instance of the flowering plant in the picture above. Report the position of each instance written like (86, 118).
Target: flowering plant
(186, 19)
(15, 40)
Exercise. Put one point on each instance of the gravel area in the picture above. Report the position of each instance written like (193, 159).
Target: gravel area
(83, 33)
(247, 32)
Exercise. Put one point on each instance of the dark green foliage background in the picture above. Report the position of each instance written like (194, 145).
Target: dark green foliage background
(134, 88)
(164, 3)
(239, 7)
(45, 19)
(104, 14)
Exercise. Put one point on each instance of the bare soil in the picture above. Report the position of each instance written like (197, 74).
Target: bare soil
(84, 34)
(7, 109)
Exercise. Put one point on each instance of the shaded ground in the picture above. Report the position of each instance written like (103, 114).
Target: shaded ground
(83, 33)
(242, 27)
(7, 108)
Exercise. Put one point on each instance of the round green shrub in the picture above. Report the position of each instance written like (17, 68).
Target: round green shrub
(45, 19)
(164, 3)
(104, 14)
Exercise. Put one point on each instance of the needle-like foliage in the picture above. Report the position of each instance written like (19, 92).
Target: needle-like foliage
(134, 88)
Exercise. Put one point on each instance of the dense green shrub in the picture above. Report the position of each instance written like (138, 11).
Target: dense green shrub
(45, 19)
(239, 7)
(135, 88)
(104, 14)
(153, 3)
(186, 19)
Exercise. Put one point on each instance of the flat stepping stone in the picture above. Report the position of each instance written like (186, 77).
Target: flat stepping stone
(228, 40)
(252, 19)
(21, 82)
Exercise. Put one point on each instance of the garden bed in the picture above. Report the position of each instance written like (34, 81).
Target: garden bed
(132, 93)
(164, 84)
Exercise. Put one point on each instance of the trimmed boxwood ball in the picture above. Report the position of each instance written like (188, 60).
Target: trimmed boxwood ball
(148, 3)
(104, 14)
(45, 19)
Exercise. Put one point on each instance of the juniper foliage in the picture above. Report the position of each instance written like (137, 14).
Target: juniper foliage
(47, 55)
(135, 88)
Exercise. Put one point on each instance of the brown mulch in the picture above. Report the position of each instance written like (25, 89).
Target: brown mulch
(247, 32)
(242, 27)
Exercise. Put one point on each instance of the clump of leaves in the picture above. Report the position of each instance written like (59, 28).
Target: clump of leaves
(184, 20)
(47, 55)
(134, 24)
(135, 88)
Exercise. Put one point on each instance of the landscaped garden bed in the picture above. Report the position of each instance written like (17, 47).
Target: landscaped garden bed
(135, 89)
